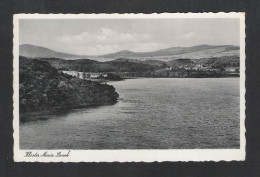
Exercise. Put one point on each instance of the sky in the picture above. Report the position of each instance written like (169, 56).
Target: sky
(103, 36)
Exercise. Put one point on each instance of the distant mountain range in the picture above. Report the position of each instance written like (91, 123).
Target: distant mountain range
(173, 53)
(34, 51)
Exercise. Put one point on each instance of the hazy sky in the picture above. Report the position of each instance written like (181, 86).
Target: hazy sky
(102, 36)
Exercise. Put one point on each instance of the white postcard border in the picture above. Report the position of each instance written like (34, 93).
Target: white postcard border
(149, 155)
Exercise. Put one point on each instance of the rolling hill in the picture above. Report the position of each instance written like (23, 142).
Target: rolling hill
(33, 51)
(194, 52)
(133, 65)
(87, 65)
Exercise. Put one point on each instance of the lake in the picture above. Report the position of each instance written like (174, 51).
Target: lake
(151, 113)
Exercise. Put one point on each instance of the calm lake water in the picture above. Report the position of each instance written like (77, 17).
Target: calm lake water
(151, 113)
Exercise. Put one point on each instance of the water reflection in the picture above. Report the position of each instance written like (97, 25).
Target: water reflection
(53, 113)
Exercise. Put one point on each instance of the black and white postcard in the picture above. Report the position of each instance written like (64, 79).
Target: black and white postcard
(129, 87)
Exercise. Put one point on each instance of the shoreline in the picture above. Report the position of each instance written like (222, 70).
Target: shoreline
(176, 77)
(51, 110)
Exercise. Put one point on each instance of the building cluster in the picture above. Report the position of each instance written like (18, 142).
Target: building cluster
(85, 75)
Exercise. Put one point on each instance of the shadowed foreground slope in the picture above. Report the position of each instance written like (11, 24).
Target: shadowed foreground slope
(41, 86)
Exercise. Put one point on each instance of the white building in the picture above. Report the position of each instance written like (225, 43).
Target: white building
(85, 75)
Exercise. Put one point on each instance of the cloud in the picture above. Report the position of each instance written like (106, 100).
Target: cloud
(104, 41)
(190, 35)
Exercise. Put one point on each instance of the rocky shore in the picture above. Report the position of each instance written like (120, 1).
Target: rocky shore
(41, 87)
